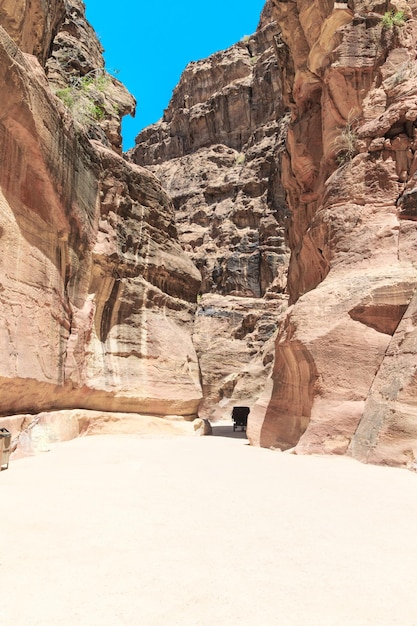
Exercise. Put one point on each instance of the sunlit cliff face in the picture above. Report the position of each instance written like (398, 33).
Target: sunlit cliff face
(316, 114)
(342, 381)
(98, 297)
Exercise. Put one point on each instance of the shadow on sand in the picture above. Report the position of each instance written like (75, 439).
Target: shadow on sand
(222, 429)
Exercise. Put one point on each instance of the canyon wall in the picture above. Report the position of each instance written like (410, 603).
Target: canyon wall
(344, 378)
(217, 153)
(97, 296)
(283, 173)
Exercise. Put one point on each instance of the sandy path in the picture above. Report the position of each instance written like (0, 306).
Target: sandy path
(116, 530)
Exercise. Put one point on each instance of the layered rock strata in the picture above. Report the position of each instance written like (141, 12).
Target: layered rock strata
(97, 296)
(216, 152)
(33, 24)
(76, 72)
(99, 321)
(344, 372)
(233, 337)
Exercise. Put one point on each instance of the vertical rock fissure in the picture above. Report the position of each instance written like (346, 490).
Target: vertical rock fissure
(106, 320)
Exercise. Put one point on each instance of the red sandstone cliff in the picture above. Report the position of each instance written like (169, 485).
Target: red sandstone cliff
(344, 377)
(97, 296)
(217, 153)
(315, 113)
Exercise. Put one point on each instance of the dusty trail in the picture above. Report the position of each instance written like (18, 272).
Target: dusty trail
(188, 531)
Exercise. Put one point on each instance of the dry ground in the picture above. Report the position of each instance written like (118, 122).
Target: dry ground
(189, 531)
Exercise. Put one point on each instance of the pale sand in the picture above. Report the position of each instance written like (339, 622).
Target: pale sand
(188, 531)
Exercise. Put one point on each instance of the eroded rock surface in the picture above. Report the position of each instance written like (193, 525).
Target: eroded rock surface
(76, 72)
(233, 337)
(97, 296)
(344, 373)
(217, 152)
(32, 24)
(122, 294)
(32, 434)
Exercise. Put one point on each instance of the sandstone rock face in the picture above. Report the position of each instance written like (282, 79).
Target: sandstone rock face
(216, 152)
(344, 372)
(32, 434)
(75, 70)
(144, 292)
(97, 296)
(220, 100)
(233, 337)
(124, 297)
(32, 24)
(47, 208)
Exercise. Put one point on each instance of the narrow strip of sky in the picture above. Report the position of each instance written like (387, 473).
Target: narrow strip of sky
(149, 44)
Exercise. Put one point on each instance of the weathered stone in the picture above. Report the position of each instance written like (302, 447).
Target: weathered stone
(202, 427)
(139, 270)
(97, 295)
(220, 100)
(32, 24)
(32, 434)
(48, 218)
(353, 267)
(387, 432)
(317, 110)
(233, 339)
(216, 152)
(75, 70)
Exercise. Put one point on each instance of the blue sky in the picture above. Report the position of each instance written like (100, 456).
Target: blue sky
(150, 43)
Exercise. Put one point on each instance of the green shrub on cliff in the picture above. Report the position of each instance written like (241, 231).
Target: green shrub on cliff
(240, 158)
(83, 96)
(66, 96)
(393, 18)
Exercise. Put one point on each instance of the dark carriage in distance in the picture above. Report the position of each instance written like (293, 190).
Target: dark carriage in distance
(240, 417)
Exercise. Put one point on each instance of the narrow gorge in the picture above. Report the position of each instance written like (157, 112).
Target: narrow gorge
(257, 246)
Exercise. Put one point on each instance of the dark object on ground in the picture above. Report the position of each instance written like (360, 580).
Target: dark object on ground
(5, 438)
(240, 416)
